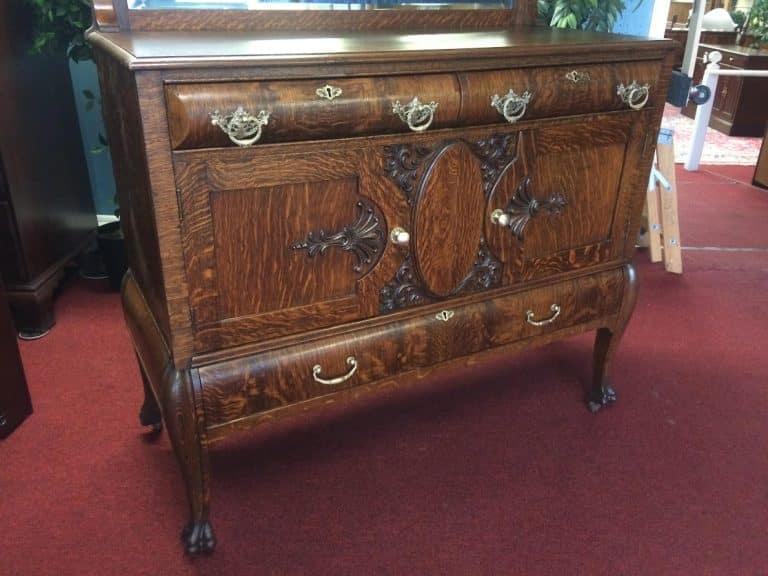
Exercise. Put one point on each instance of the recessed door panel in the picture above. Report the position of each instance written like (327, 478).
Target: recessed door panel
(283, 246)
(271, 252)
(554, 209)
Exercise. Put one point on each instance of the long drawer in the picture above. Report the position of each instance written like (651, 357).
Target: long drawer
(557, 91)
(242, 387)
(202, 115)
(311, 109)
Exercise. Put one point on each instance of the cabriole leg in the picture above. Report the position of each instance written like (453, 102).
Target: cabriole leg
(190, 444)
(149, 415)
(601, 393)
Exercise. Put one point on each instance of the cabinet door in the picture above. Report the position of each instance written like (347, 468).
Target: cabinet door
(555, 208)
(727, 95)
(279, 243)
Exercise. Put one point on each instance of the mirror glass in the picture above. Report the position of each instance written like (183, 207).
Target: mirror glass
(319, 5)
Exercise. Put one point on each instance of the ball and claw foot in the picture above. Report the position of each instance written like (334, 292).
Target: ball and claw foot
(598, 399)
(198, 538)
(150, 417)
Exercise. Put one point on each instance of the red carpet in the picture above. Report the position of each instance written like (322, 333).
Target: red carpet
(718, 209)
(500, 470)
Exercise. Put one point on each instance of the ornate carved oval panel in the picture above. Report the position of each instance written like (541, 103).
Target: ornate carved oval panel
(448, 219)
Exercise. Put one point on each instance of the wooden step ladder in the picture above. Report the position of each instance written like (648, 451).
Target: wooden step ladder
(663, 232)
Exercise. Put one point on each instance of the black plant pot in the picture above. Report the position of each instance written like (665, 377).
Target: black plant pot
(112, 250)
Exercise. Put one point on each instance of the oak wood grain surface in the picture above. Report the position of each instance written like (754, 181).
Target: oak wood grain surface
(264, 279)
(334, 20)
(296, 112)
(234, 390)
(179, 49)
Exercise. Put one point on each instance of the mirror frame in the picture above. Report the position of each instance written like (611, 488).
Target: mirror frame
(114, 15)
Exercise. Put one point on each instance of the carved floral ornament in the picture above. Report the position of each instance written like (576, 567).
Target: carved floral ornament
(405, 164)
(364, 239)
(407, 289)
(523, 207)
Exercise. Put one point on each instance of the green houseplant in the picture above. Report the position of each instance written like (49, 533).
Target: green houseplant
(599, 15)
(757, 23)
(60, 26)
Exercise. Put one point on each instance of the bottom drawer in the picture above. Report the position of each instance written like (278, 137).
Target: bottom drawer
(238, 388)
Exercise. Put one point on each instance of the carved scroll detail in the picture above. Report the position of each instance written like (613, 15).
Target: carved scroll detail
(523, 206)
(403, 290)
(485, 274)
(404, 164)
(496, 152)
(406, 289)
(364, 239)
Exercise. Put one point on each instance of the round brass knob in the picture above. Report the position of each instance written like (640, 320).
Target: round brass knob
(399, 236)
(500, 217)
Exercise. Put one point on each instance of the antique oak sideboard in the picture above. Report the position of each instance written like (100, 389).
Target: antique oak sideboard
(317, 203)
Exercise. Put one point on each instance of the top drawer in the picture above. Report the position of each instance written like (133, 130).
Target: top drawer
(555, 91)
(292, 110)
(311, 109)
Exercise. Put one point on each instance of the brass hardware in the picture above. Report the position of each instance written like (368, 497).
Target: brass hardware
(418, 116)
(530, 314)
(328, 92)
(578, 77)
(243, 128)
(317, 369)
(511, 106)
(179, 203)
(635, 95)
(444, 316)
(399, 236)
(500, 217)
(523, 207)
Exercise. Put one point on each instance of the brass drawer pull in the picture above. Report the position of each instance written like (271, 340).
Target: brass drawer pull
(529, 315)
(511, 106)
(317, 369)
(243, 128)
(635, 95)
(418, 116)
(328, 92)
(578, 77)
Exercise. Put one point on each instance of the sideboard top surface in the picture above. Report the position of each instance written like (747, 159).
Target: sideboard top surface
(180, 49)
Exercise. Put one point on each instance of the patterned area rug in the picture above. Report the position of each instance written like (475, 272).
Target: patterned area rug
(718, 148)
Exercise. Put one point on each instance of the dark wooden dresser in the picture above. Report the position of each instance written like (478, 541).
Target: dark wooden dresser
(740, 105)
(46, 209)
(15, 403)
(760, 177)
(320, 204)
(680, 35)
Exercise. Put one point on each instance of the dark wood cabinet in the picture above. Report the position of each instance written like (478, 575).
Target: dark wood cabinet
(739, 106)
(761, 169)
(46, 210)
(15, 403)
(680, 35)
(310, 216)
